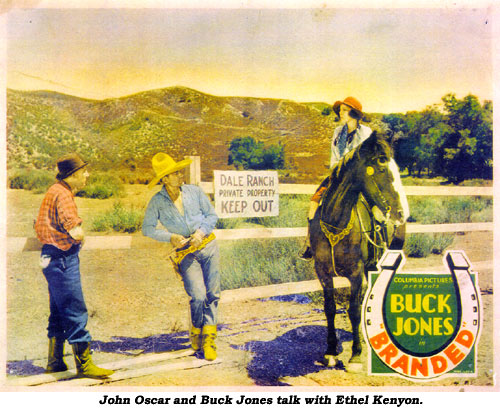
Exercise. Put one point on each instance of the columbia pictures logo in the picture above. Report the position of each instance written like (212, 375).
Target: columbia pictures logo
(422, 326)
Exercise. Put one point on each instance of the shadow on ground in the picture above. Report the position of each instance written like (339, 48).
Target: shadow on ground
(152, 344)
(118, 345)
(23, 368)
(295, 353)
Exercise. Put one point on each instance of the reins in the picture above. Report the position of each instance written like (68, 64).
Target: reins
(377, 230)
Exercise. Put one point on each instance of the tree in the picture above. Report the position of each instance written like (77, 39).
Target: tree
(240, 151)
(419, 138)
(468, 150)
(427, 129)
(404, 146)
(246, 153)
(454, 140)
(428, 152)
(326, 111)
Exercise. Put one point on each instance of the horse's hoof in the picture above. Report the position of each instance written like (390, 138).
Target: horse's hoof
(329, 361)
(354, 367)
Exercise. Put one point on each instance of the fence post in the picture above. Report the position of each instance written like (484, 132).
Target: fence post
(194, 171)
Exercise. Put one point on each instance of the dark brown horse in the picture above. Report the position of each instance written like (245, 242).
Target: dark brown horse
(340, 230)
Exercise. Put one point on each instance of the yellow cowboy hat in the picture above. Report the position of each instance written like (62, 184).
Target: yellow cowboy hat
(164, 165)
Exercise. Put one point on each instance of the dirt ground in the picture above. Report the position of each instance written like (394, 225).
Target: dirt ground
(137, 306)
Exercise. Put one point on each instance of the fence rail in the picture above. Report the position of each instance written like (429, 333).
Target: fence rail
(307, 189)
(19, 244)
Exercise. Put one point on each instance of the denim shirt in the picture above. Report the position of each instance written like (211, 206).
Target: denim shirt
(198, 214)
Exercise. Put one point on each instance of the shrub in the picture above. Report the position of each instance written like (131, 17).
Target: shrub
(247, 153)
(134, 176)
(460, 209)
(230, 223)
(464, 209)
(31, 179)
(421, 245)
(250, 263)
(101, 186)
(118, 219)
(442, 242)
(425, 210)
(293, 213)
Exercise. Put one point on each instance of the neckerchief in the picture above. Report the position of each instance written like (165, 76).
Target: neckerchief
(342, 140)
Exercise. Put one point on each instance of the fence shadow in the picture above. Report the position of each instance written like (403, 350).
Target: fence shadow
(147, 345)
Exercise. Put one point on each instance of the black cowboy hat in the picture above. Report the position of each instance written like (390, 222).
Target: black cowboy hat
(69, 164)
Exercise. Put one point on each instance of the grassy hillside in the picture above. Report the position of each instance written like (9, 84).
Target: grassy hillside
(126, 132)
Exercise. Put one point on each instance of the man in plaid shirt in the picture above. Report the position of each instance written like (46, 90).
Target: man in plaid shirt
(58, 227)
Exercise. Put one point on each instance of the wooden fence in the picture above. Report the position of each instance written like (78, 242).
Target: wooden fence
(20, 244)
(16, 244)
(194, 173)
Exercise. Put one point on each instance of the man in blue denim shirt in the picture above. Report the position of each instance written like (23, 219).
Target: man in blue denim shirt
(189, 219)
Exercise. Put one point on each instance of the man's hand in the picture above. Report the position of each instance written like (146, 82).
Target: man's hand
(196, 238)
(178, 241)
(77, 233)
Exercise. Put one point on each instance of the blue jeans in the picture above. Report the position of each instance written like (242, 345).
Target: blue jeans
(68, 312)
(200, 274)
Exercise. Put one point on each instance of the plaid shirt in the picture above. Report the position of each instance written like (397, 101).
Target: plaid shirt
(57, 216)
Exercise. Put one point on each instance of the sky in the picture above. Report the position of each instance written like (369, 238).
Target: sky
(391, 59)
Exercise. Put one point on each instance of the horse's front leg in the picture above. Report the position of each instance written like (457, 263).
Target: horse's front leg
(325, 277)
(330, 310)
(354, 312)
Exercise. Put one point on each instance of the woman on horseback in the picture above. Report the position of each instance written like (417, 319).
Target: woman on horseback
(346, 137)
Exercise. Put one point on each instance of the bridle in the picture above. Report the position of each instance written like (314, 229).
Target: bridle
(336, 234)
(379, 196)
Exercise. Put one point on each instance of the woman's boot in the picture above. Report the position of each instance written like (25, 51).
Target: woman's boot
(306, 254)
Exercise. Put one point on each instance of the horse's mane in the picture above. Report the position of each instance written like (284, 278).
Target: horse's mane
(360, 153)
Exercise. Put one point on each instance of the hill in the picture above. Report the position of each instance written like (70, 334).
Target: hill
(126, 132)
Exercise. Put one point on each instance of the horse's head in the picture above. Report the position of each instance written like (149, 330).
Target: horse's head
(379, 177)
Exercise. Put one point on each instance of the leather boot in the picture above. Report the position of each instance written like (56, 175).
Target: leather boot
(195, 338)
(55, 362)
(209, 333)
(84, 365)
(307, 252)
